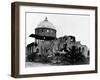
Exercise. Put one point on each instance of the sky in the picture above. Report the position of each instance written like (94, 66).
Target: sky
(65, 24)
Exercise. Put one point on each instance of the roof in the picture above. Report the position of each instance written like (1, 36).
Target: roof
(45, 24)
(42, 37)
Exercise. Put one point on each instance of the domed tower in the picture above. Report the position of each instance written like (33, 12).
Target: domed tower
(46, 30)
(45, 33)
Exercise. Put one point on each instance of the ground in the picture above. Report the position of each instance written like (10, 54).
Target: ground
(35, 64)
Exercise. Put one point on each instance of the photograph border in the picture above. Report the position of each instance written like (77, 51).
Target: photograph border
(15, 32)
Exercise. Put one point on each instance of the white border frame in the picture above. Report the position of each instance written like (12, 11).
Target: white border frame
(54, 69)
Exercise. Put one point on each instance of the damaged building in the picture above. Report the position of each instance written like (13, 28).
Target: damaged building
(47, 48)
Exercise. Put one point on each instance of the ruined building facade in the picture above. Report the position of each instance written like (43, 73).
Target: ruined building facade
(48, 48)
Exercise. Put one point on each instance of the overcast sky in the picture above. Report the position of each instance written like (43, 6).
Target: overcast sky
(75, 25)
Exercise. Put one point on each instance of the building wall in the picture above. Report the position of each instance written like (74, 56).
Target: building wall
(45, 32)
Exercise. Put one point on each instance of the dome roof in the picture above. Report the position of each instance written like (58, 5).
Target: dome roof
(45, 24)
